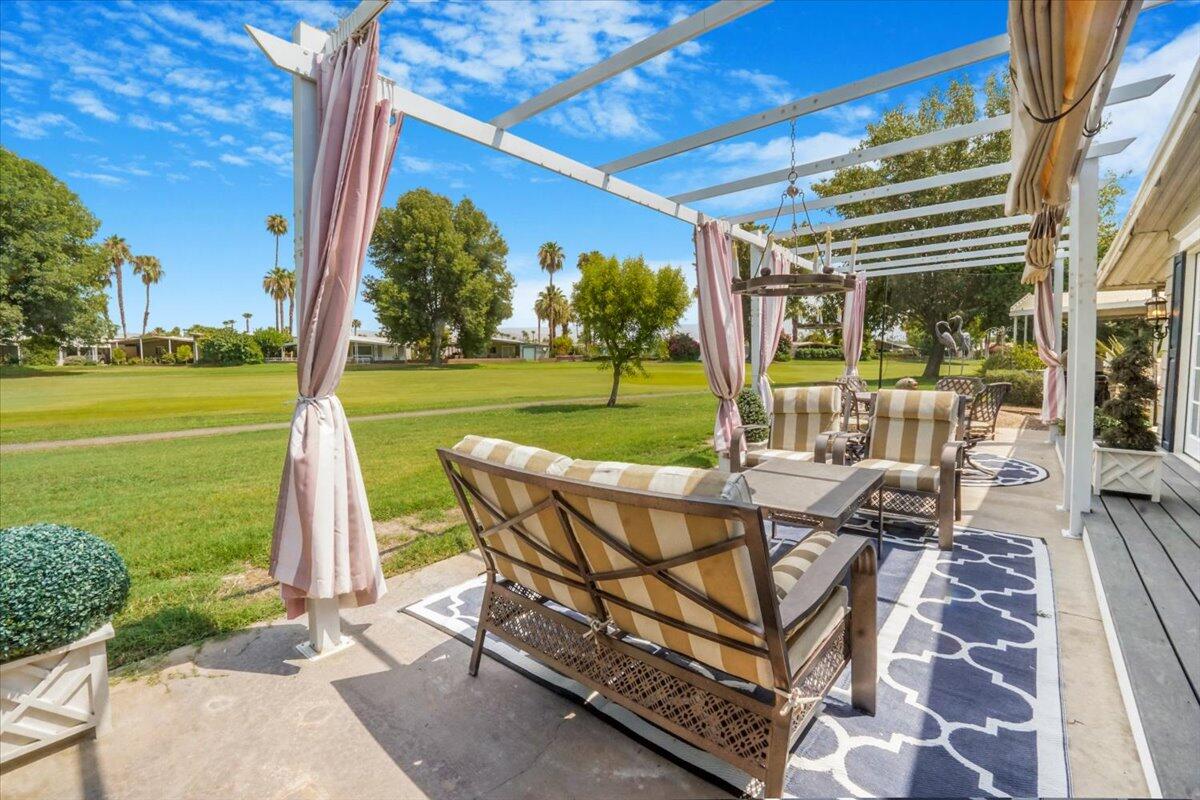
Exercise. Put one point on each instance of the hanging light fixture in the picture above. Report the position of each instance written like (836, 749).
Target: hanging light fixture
(1157, 313)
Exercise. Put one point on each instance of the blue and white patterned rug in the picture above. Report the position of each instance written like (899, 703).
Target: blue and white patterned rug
(1006, 471)
(968, 703)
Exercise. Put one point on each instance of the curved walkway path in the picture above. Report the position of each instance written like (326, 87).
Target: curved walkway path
(190, 433)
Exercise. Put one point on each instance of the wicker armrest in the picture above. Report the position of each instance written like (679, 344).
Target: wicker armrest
(814, 585)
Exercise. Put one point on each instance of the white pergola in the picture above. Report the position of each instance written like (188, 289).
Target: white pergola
(875, 256)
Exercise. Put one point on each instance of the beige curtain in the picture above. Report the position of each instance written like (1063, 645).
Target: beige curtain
(1042, 245)
(1058, 50)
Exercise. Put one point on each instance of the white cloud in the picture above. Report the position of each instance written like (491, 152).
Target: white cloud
(216, 34)
(766, 88)
(200, 164)
(88, 103)
(36, 126)
(195, 78)
(237, 161)
(145, 123)
(1147, 118)
(278, 106)
(98, 177)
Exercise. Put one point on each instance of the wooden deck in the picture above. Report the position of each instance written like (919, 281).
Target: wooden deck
(1145, 559)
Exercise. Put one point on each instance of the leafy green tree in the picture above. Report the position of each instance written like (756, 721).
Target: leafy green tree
(627, 308)
(51, 276)
(442, 268)
(271, 341)
(228, 347)
(919, 300)
(151, 272)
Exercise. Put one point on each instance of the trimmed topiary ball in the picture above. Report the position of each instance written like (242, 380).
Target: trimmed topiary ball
(57, 584)
(751, 409)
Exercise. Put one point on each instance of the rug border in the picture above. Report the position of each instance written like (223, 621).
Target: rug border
(720, 774)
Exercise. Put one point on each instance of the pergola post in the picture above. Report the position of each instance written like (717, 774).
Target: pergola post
(756, 303)
(1081, 346)
(1057, 344)
(324, 622)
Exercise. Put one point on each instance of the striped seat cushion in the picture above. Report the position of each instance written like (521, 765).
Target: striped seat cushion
(756, 457)
(788, 569)
(911, 427)
(510, 497)
(801, 413)
(653, 535)
(898, 475)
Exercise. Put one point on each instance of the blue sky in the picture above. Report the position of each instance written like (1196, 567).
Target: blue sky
(176, 131)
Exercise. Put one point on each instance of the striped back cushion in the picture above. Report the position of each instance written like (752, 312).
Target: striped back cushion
(653, 534)
(510, 497)
(912, 426)
(800, 413)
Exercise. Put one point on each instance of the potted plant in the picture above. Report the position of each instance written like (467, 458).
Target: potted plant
(1127, 457)
(59, 587)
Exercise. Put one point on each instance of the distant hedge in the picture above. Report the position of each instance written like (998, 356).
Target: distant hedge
(817, 353)
(57, 584)
(1026, 386)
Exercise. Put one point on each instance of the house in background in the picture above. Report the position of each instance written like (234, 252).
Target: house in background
(152, 345)
(1157, 248)
(1111, 304)
(363, 348)
(505, 346)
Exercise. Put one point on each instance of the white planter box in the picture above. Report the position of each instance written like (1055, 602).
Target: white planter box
(52, 696)
(1132, 471)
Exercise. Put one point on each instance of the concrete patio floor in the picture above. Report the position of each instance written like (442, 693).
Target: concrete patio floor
(397, 715)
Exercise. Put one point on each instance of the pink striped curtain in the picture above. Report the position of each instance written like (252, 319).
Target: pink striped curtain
(854, 311)
(324, 541)
(722, 346)
(770, 326)
(1044, 319)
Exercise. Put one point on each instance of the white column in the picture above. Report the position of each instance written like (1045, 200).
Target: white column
(1082, 351)
(324, 622)
(1057, 343)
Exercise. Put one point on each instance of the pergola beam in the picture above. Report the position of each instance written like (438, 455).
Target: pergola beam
(937, 267)
(957, 244)
(701, 22)
(937, 258)
(299, 61)
(950, 207)
(929, 233)
(957, 133)
(915, 71)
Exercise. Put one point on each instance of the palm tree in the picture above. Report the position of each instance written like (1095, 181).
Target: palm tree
(355, 324)
(550, 257)
(277, 226)
(541, 308)
(151, 271)
(289, 286)
(275, 284)
(116, 250)
(552, 304)
(246, 315)
(229, 323)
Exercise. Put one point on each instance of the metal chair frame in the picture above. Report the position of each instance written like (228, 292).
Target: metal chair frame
(741, 729)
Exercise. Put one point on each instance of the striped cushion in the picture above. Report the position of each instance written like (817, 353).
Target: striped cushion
(756, 457)
(800, 413)
(817, 628)
(787, 570)
(513, 496)
(898, 475)
(912, 426)
(725, 578)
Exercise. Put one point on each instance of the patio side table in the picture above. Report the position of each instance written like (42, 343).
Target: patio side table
(821, 496)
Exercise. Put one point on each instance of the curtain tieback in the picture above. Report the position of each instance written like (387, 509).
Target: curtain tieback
(314, 401)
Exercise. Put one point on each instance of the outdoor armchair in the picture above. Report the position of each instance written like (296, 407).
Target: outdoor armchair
(981, 419)
(960, 384)
(913, 437)
(803, 421)
(654, 586)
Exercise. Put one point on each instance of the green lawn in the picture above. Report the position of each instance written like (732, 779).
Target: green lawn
(73, 402)
(193, 517)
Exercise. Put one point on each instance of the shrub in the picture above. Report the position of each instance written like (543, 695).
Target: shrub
(134, 362)
(76, 361)
(784, 351)
(229, 347)
(1018, 356)
(1026, 386)
(58, 584)
(119, 356)
(561, 346)
(751, 408)
(272, 341)
(183, 354)
(682, 347)
(166, 359)
(818, 353)
(39, 351)
(1126, 423)
(908, 383)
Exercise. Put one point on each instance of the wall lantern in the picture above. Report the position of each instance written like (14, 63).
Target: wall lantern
(1157, 313)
